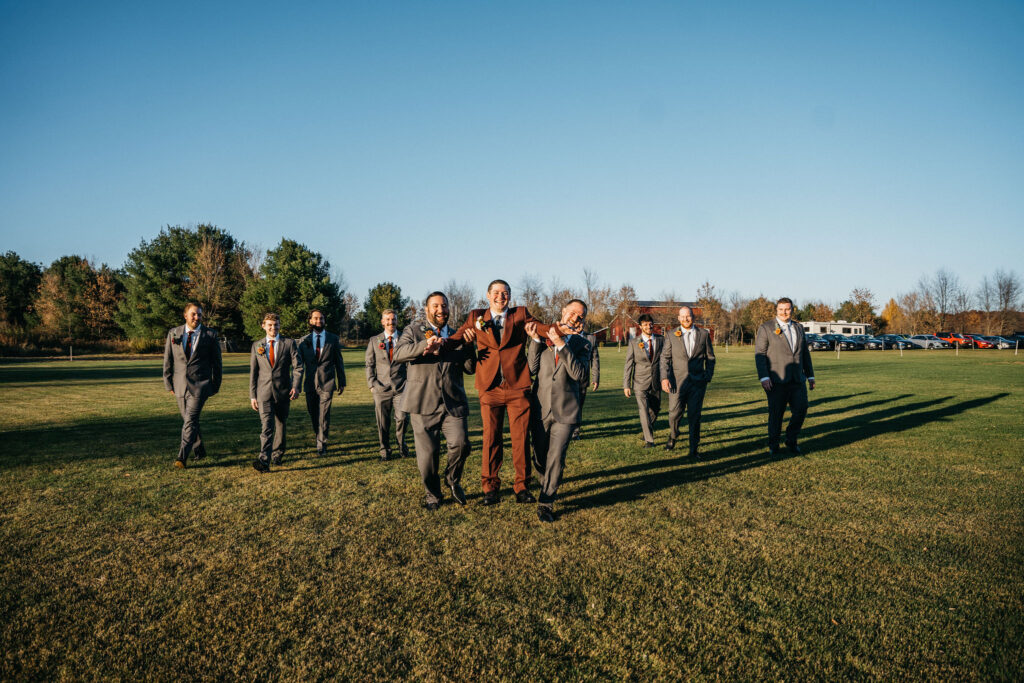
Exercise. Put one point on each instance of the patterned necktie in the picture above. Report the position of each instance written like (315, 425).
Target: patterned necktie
(270, 356)
(389, 350)
(188, 346)
(317, 346)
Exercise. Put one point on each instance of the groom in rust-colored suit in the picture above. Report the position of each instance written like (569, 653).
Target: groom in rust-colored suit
(503, 384)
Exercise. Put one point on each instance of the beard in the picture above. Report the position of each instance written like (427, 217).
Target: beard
(438, 320)
(317, 328)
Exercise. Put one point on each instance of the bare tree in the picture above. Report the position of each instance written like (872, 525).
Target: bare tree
(460, 301)
(737, 303)
(986, 297)
(598, 300)
(712, 311)
(1008, 291)
(943, 287)
(529, 292)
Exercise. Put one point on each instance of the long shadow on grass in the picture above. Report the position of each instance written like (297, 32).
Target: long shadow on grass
(637, 481)
(100, 373)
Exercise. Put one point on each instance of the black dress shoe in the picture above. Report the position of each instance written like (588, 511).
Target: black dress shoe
(670, 444)
(458, 494)
(275, 460)
(180, 463)
(545, 514)
(260, 465)
(405, 453)
(648, 444)
(384, 457)
(774, 451)
(432, 507)
(576, 436)
(794, 449)
(199, 455)
(525, 496)
(693, 454)
(490, 498)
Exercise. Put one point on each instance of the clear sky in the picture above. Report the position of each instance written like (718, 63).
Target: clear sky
(783, 148)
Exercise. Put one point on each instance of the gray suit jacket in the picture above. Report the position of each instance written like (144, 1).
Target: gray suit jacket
(558, 387)
(639, 373)
(198, 375)
(677, 366)
(594, 376)
(265, 382)
(776, 360)
(325, 375)
(433, 382)
(384, 377)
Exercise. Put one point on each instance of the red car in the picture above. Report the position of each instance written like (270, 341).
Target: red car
(979, 343)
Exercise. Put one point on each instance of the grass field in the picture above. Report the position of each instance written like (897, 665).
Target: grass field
(892, 548)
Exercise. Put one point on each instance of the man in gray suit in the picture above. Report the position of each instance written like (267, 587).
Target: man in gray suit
(192, 372)
(641, 375)
(783, 363)
(561, 367)
(435, 398)
(386, 379)
(687, 366)
(324, 370)
(593, 379)
(275, 380)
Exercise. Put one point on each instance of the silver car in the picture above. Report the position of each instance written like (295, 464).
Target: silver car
(929, 341)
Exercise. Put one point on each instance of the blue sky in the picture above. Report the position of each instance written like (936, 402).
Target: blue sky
(786, 148)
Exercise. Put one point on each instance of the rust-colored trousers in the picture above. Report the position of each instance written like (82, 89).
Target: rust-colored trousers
(494, 403)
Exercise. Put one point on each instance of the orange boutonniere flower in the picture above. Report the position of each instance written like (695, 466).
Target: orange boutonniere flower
(640, 344)
(427, 332)
(482, 324)
(679, 333)
(261, 351)
(778, 330)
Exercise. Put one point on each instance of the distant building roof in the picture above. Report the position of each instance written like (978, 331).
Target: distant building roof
(664, 304)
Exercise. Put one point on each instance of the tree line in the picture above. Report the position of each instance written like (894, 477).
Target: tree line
(74, 301)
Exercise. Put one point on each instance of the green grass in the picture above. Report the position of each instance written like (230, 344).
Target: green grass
(891, 549)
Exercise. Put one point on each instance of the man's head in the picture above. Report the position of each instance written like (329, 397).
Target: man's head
(574, 315)
(437, 309)
(498, 295)
(784, 309)
(271, 324)
(193, 315)
(686, 317)
(389, 320)
(646, 324)
(317, 320)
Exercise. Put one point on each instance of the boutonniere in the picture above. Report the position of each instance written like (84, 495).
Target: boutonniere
(640, 344)
(679, 333)
(482, 324)
(262, 350)
(176, 340)
(382, 346)
(778, 329)
(427, 332)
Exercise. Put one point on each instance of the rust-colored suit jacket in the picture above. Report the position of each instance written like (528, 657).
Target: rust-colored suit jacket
(510, 353)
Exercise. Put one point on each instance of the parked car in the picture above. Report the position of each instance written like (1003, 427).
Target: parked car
(844, 343)
(978, 342)
(1001, 342)
(954, 338)
(929, 341)
(816, 343)
(896, 341)
(874, 343)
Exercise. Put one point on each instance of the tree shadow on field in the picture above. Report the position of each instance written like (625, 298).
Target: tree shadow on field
(762, 408)
(96, 373)
(634, 482)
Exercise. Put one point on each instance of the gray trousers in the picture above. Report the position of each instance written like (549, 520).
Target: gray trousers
(793, 394)
(550, 444)
(689, 398)
(319, 407)
(274, 420)
(191, 437)
(383, 407)
(649, 403)
(427, 431)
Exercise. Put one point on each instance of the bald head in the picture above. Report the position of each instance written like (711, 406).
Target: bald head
(686, 317)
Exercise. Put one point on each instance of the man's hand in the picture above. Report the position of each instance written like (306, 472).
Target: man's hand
(170, 391)
(469, 336)
(341, 390)
(627, 392)
(810, 383)
(531, 330)
(254, 404)
(593, 387)
(767, 384)
(666, 386)
(553, 335)
(293, 394)
(433, 346)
